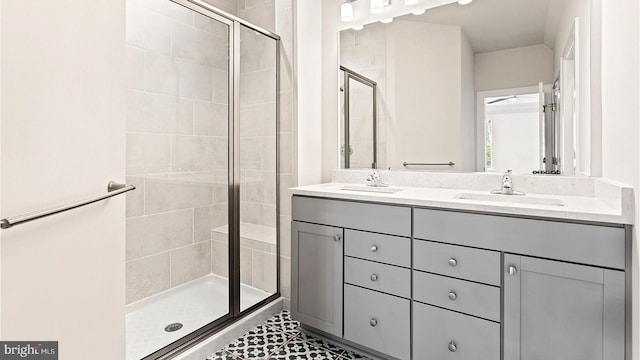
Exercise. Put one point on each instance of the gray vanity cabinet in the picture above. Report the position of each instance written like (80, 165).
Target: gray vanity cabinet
(316, 299)
(558, 310)
(411, 283)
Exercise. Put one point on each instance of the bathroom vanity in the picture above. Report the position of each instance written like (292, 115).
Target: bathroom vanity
(403, 280)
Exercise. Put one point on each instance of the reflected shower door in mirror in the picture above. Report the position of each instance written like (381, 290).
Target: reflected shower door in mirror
(358, 126)
(430, 70)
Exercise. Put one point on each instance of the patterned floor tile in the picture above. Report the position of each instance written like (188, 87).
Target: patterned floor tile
(280, 339)
(298, 349)
(221, 355)
(283, 322)
(317, 342)
(350, 355)
(258, 343)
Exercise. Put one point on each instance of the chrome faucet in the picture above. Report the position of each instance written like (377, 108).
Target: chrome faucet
(374, 179)
(507, 186)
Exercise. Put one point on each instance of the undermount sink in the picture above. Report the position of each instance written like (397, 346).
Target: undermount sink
(514, 199)
(374, 189)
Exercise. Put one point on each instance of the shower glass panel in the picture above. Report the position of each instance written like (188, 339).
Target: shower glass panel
(258, 166)
(178, 112)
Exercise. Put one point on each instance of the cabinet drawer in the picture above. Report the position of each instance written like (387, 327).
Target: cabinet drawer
(442, 334)
(388, 249)
(580, 243)
(457, 261)
(375, 276)
(388, 219)
(459, 295)
(378, 321)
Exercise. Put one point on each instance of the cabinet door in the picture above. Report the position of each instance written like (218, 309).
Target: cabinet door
(316, 276)
(555, 310)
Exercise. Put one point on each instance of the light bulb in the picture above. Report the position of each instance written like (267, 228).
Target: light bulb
(410, 2)
(386, 21)
(464, 2)
(419, 12)
(376, 6)
(346, 12)
(358, 27)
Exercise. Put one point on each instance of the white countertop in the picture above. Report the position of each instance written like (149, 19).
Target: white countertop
(586, 208)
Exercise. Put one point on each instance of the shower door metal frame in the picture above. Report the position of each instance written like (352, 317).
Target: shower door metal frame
(235, 313)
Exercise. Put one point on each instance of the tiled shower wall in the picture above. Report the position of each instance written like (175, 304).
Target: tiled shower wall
(176, 143)
(175, 155)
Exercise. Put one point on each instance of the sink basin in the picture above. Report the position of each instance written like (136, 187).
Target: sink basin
(513, 199)
(373, 189)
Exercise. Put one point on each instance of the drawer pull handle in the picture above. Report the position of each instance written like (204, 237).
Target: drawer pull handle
(453, 296)
(374, 248)
(512, 270)
(374, 277)
(453, 262)
(336, 237)
(453, 347)
(373, 322)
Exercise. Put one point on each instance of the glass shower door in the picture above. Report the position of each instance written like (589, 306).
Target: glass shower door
(258, 167)
(177, 242)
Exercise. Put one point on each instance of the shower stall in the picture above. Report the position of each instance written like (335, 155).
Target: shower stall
(202, 122)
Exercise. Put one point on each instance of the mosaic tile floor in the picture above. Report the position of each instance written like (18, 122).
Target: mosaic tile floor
(279, 339)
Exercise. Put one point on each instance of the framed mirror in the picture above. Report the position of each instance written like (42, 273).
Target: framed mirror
(488, 86)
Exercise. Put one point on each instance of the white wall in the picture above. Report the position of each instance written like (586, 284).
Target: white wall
(467, 106)
(425, 46)
(580, 10)
(513, 68)
(308, 59)
(62, 140)
(620, 112)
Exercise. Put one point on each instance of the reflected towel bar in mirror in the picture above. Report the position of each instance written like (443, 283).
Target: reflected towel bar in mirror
(450, 163)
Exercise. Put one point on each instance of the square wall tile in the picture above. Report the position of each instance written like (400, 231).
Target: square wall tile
(147, 276)
(147, 153)
(160, 74)
(174, 192)
(152, 234)
(135, 198)
(190, 263)
(195, 81)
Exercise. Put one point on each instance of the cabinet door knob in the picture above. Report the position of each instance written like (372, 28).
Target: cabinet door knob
(374, 277)
(374, 248)
(512, 270)
(453, 296)
(373, 322)
(336, 237)
(453, 347)
(453, 262)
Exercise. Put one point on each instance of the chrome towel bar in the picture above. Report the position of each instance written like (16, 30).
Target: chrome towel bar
(450, 163)
(113, 189)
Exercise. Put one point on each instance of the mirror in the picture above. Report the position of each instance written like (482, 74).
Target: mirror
(488, 86)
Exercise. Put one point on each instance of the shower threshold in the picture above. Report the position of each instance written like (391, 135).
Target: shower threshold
(193, 305)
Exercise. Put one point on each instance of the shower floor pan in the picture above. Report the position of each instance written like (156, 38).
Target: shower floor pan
(193, 305)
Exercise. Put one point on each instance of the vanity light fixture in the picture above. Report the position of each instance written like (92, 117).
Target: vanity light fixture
(386, 21)
(358, 27)
(419, 12)
(346, 11)
(464, 2)
(376, 6)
